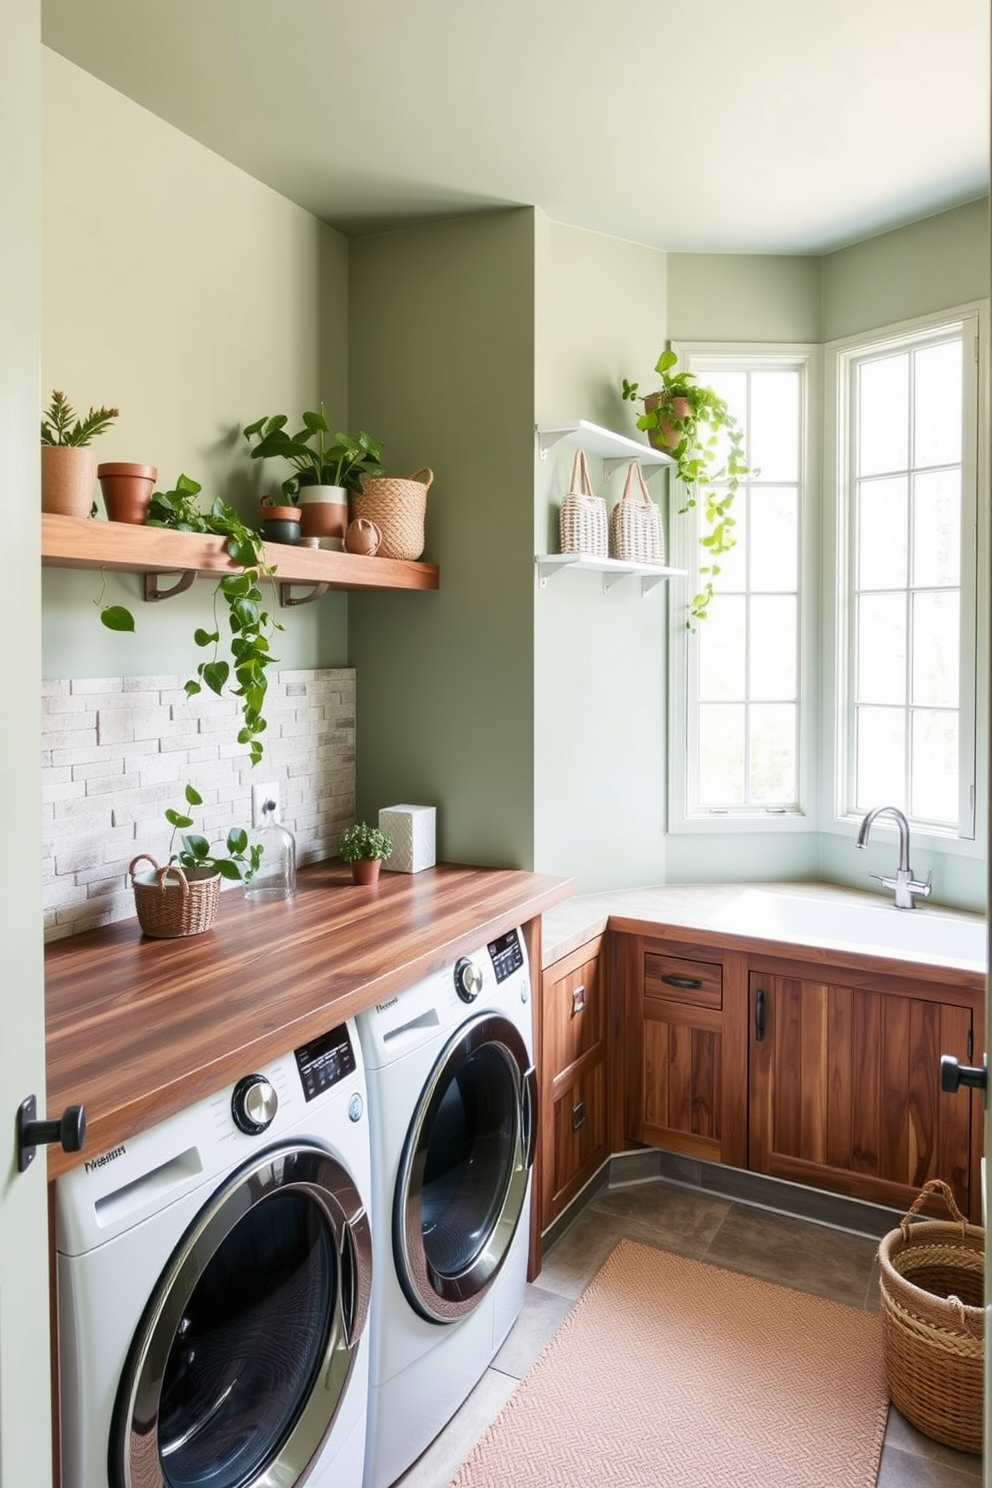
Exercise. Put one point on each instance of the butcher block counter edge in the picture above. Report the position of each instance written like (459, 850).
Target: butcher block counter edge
(138, 1029)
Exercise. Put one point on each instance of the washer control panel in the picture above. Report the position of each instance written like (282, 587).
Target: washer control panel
(468, 979)
(253, 1105)
(325, 1060)
(506, 954)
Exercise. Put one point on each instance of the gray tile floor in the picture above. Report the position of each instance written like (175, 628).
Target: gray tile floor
(738, 1236)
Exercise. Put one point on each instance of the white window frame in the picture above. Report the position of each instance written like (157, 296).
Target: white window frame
(686, 553)
(968, 840)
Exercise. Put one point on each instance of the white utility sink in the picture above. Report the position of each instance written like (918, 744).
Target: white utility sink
(921, 934)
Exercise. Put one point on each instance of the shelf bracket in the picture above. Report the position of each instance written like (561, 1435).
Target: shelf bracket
(547, 439)
(648, 582)
(154, 591)
(287, 598)
(647, 470)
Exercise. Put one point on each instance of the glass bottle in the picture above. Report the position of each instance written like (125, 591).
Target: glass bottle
(276, 876)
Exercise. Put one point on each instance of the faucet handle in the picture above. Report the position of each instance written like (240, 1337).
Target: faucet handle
(887, 883)
(923, 889)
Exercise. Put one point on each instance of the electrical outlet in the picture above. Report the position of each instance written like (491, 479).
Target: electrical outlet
(259, 795)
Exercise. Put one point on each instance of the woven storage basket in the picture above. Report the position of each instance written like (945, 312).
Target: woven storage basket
(397, 507)
(932, 1281)
(171, 902)
(582, 525)
(635, 526)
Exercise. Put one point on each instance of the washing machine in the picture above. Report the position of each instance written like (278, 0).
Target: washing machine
(214, 1281)
(453, 1113)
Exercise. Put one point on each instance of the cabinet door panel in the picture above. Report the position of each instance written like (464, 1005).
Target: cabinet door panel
(576, 1009)
(682, 1086)
(579, 1133)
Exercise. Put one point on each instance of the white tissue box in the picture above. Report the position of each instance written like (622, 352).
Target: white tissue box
(412, 831)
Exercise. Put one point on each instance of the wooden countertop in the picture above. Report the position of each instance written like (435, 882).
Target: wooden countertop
(137, 1028)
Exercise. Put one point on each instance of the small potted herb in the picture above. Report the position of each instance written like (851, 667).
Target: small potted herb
(364, 847)
(68, 465)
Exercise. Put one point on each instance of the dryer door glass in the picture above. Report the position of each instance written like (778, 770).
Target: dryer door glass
(247, 1344)
(463, 1177)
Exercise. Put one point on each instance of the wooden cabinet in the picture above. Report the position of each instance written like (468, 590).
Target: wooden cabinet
(682, 1050)
(844, 1079)
(574, 1085)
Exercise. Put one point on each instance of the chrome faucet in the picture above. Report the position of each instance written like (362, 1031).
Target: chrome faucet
(904, 884)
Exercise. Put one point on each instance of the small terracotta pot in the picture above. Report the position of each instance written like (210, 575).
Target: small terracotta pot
(127, 490)
(68, 478)
(366, 870)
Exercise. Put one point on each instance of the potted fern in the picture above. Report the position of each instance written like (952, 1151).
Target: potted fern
(693, 424)
(68, 465)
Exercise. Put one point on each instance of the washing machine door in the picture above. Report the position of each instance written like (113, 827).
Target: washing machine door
(245, 1349)
(462, 1181)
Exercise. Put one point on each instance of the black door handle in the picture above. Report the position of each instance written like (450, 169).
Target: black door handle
(953, 1075)
(759, 1015)
(69, 1131)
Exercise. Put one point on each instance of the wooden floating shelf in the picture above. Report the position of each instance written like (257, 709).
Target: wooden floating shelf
(81, 542)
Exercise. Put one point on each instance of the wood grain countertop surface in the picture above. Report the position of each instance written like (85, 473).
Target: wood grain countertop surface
(137, 1029)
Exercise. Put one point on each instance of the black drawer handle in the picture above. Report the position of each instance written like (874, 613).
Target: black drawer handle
(578, 1115)
(578, 999)
(759, 1016)
(691, 983)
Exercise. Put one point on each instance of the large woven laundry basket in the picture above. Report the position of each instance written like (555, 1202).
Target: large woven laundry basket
(932, 1276)
(397, 506)
(170, 901)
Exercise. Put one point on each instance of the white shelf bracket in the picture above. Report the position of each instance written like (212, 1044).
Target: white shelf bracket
(647, 470)
(547, 439)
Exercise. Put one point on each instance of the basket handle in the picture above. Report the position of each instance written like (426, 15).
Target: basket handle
(635, 475)
(579, 483)
(141, 858)
(424, 470)
(935, 1186)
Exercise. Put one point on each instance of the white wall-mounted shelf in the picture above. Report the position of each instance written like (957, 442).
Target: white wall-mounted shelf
(615, 450)
(612, 570)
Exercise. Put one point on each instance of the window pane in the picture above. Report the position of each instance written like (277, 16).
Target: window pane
(733, 565)
(935, 650)
(934, 792)
(732, 388)
(773, 439)
(937, 528)
(772, 648)
(881, 768)
(883, 415)
(937, 405)
(721, 754)
(883, 529)
(773, 753)
(774, 532)
(722, 650)
(882, 641)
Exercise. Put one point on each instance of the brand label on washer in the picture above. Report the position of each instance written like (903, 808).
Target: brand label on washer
(93, 1163)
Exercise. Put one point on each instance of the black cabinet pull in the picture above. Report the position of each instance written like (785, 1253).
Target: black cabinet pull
(692, 983)
(578, 1115)
(759, 1016)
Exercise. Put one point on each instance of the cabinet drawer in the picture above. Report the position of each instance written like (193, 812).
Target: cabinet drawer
(574, 1011)
(699, 983)
(579, 1132)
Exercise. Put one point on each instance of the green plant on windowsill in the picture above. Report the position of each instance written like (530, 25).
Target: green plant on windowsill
(251, 625)
(693, 424)
(317, 458)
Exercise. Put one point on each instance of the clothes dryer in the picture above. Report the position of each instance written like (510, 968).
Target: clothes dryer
(453, 1111)
(214, 1280)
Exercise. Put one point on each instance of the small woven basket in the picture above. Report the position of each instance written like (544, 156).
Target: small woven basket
(170, 902)
(635, 526)
(932, 1277)
(582, 525)
(397, 506)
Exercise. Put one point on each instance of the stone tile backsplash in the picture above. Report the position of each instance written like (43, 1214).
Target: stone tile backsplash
(116, 752)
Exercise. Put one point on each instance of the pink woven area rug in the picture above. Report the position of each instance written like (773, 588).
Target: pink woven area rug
(676, 1374)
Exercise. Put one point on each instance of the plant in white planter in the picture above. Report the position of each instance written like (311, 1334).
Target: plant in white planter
(326, 468)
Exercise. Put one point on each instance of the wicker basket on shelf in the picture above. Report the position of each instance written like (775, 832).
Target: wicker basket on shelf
(932, 1280)
(170, 901)
(397, 507)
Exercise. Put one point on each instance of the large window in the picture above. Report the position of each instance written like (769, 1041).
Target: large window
(744, 695)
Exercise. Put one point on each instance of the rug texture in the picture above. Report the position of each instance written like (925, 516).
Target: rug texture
(672, 1373)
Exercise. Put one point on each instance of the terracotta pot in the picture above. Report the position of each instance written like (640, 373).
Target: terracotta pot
(127, 490)
(281, 524)
(324, 513)
(665, 437)
(366, 870)
(68, 477)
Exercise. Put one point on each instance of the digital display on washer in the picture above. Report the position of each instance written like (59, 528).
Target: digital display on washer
(325, 1060)
(507, 955)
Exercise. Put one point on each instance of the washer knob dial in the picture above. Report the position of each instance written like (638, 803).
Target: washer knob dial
(468, 979)
(253, 1104)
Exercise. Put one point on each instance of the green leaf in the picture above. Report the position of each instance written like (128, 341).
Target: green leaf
(116, 617)
(197, 847)
(227, 869)
(215, 674)
(176, 819)
(206, 637)
(237, 840)
(193, 796)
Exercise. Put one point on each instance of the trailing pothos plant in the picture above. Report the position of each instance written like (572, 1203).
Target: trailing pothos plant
(241, 860)
(251, 625)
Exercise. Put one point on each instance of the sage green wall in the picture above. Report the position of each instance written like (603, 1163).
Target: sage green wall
(600, 659)
(743, 297)
(928, 266)
(195, 299)
(442, 370)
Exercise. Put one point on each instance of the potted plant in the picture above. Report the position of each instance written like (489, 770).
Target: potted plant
(326, 468)
(690, 422)
(364, 847)
(127, 489)
(280, 520)
(181, 898)
(68, 465)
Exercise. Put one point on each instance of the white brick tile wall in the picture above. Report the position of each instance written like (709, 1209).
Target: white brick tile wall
(116, 752)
